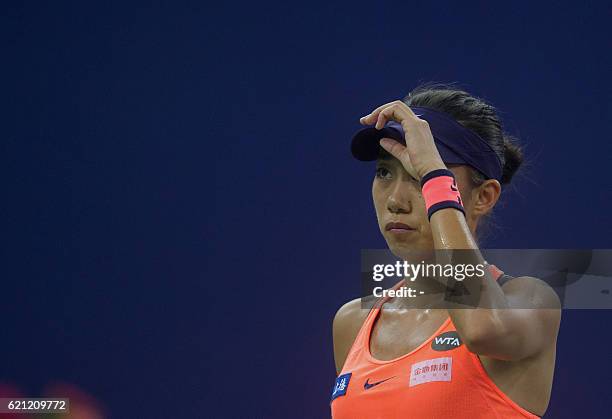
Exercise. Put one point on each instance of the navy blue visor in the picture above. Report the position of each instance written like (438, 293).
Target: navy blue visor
(455, 143)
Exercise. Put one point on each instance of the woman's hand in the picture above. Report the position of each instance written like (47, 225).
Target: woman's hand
(419, 156)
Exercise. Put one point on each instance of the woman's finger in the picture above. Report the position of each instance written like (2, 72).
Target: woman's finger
(372, 117)
(400, 152)
(392, 147)
(394, 112)
(386, 114)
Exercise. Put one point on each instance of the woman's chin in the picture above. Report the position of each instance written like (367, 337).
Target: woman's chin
(411, 250)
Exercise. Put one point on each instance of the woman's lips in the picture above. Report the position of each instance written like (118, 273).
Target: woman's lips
(399, 228)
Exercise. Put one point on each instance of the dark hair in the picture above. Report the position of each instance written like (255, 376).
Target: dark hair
(475, 114)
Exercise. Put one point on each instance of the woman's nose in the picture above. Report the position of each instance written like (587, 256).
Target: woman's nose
(399, 201)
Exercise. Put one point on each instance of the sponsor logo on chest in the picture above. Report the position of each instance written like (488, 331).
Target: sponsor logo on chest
(437, 369)
(446, 341)
(341, 385)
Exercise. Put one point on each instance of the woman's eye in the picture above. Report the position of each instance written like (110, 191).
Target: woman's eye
(382, 173)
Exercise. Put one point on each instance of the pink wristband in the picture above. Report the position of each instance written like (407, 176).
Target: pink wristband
(440, 191)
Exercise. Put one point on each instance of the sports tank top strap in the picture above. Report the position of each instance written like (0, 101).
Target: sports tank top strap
(364, 332)
(499, 275)
(495, 271)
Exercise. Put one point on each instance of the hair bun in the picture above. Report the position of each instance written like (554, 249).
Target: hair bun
(513, 158)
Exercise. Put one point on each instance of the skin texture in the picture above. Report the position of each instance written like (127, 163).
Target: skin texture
(516, 345)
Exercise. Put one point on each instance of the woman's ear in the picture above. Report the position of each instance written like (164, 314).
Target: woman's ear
(484, 197)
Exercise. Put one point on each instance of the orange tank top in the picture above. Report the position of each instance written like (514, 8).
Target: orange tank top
(441, 378)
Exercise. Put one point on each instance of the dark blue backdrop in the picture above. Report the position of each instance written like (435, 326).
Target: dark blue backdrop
(181, 214)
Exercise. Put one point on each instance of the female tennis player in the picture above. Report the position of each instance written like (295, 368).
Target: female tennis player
(442, 160)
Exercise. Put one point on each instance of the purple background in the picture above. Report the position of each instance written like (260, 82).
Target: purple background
(181, 214)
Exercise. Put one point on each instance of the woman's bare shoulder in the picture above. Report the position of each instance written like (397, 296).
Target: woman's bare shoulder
(352, 313)
(347, 322)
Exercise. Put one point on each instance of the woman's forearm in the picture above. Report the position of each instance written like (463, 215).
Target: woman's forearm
(474, 318)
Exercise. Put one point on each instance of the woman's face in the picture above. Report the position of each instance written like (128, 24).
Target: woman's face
(400, 208)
